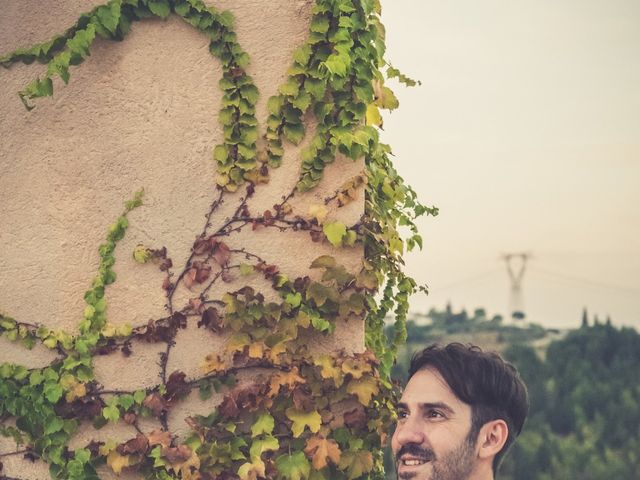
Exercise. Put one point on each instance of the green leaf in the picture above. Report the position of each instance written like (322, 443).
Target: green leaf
(302, 54)
(294, 132)
(335, 232)
(111, 412)
(302, 101)
(274, 104)
(53, 425)
(315, 87)
(250, 92)
(53, 392)
(319, 24)
(109, 16)
(302, 420)
(246, 269)
(293, 299)
(294, 466)
(160, 8)
(264, 424)
(291, 87)
(259, 446)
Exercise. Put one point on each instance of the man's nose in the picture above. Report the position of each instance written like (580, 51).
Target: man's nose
(409, 432)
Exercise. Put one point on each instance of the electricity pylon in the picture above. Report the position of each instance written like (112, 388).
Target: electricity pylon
(516, 266)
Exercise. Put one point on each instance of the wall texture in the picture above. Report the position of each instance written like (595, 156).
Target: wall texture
(141, 113)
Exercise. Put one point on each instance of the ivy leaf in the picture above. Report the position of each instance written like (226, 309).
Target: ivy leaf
(373, 116)
(319, 449)
(334, 232)
(293, 467)
(329, 369)
(141, 254)
(302, 419)
(294, 132)
(252, 470)
(160, 8)
(291, 88)
(315, 87)
(356, 464)
(111, 412)
(320, 24)
(364, 388)
(319, 212)
(250, 93)
(302, 101)
(117, 462)
(53, 392)
(264, 424)
(261, 445)
(109, 16)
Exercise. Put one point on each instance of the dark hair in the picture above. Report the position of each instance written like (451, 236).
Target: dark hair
(484, 381)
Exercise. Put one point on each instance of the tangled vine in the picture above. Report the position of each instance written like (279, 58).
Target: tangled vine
(311, 416)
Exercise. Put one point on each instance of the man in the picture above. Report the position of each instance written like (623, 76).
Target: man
(461, 410)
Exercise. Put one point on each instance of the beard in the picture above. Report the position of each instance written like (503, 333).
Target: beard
(454, 465)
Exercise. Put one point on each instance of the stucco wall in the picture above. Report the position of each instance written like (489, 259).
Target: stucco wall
(140, 113)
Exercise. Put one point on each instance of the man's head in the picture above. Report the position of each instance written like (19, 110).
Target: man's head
(461, 410)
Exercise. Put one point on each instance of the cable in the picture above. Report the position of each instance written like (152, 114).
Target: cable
(586, 281)
(467, 280)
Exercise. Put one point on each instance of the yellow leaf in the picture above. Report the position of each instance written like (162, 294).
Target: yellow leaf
(252, 471)
(373, 116)
(288, 379)
(256, 350)
(78, 391)
(214, 363)
(356, 367)
(364, 388)
(356, 463)
(319, 212)
(302, 419)
(278, 349)
(319, 450)
(185, 468)
(237, 342)
(117, 462)
(328, 369)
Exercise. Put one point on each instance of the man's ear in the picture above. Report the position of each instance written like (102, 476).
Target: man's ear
(491, 438)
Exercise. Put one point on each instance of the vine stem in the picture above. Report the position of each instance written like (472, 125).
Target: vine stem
(17, 452)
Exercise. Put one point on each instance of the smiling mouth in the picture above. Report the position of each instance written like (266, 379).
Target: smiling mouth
(413, 462)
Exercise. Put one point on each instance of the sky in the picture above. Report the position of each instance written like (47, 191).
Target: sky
(525, 132)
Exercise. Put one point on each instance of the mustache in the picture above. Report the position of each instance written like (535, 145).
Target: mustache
(414, 450)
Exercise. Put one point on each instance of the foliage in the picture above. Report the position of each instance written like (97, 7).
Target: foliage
(585, 407)
(312, 416)
(584, 393)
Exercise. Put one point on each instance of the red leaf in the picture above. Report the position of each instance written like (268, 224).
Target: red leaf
(201, 246)
(178, 454)
(140, 444)
(155, 403)
(212, 320)
(221, 254)
(177, 387)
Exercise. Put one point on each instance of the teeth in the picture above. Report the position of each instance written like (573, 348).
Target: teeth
(413, 462)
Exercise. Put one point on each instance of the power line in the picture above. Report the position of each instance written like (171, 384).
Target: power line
(464, 281)
(586, 281)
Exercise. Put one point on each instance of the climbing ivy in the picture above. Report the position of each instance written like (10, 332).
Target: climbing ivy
(313, 416)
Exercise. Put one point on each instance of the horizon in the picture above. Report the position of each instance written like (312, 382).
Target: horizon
(525, 133)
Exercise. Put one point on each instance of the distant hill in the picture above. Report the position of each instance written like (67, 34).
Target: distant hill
(584, 389)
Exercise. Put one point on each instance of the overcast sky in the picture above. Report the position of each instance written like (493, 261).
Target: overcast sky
(526, 133)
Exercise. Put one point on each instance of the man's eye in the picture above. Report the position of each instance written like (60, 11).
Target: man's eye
(435, 414)
(403, 414)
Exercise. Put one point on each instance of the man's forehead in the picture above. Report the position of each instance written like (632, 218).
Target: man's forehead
(428, 386)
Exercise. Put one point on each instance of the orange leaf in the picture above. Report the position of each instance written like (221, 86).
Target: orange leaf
(319, 450)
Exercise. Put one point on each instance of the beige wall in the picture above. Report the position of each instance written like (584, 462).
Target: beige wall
(137, 113)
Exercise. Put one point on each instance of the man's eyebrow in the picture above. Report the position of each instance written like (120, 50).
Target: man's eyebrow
(436, 405)
(427, 406)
